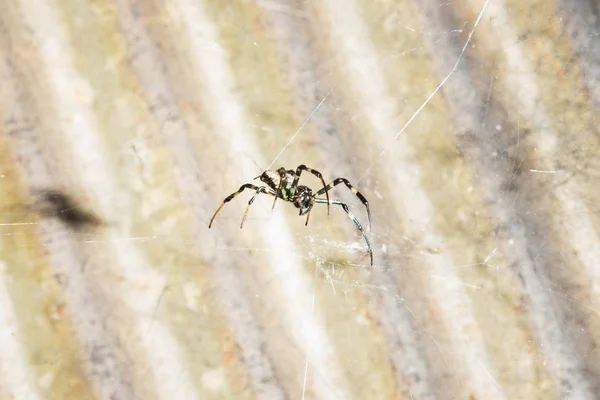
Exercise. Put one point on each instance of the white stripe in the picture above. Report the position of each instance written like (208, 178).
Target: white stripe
(80, 128)
(578, 226)
(352, 45)
(294, 309)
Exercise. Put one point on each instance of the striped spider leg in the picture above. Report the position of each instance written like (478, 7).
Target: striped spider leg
(353, 218)
(284, 177)
(258, 190)
(353, 189)
(315, 173)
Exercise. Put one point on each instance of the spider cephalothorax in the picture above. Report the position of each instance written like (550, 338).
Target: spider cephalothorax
(283, 184)
(303, 199)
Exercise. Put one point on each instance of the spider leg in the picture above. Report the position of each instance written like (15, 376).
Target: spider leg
(307, 217)
(315, 173)
(354, 219)
(281, 172)
(229, 198)
(353, 189)
(260, 190)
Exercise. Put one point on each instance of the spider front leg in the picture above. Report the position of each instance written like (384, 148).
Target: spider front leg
(260, 190)
(315, 173)
(230, 197)
(307, 217)
(353, 189)
(356, 223)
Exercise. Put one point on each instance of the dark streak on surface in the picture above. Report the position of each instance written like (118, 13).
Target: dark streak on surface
(56, 204)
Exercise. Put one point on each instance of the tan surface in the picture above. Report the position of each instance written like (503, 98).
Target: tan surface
(486, 283)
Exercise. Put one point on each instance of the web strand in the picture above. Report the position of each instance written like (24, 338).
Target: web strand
(435, 91)
(301, 127)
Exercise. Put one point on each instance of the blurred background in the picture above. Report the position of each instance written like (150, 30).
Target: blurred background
(471, 126)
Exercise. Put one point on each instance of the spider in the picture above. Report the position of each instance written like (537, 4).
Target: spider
(283, 184)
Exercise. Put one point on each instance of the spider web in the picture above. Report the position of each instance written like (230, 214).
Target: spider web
(440, 243)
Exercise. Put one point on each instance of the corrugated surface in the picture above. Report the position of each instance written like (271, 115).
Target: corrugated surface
(471, 126)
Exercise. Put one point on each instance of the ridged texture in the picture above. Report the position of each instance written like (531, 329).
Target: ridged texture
(471, 126)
